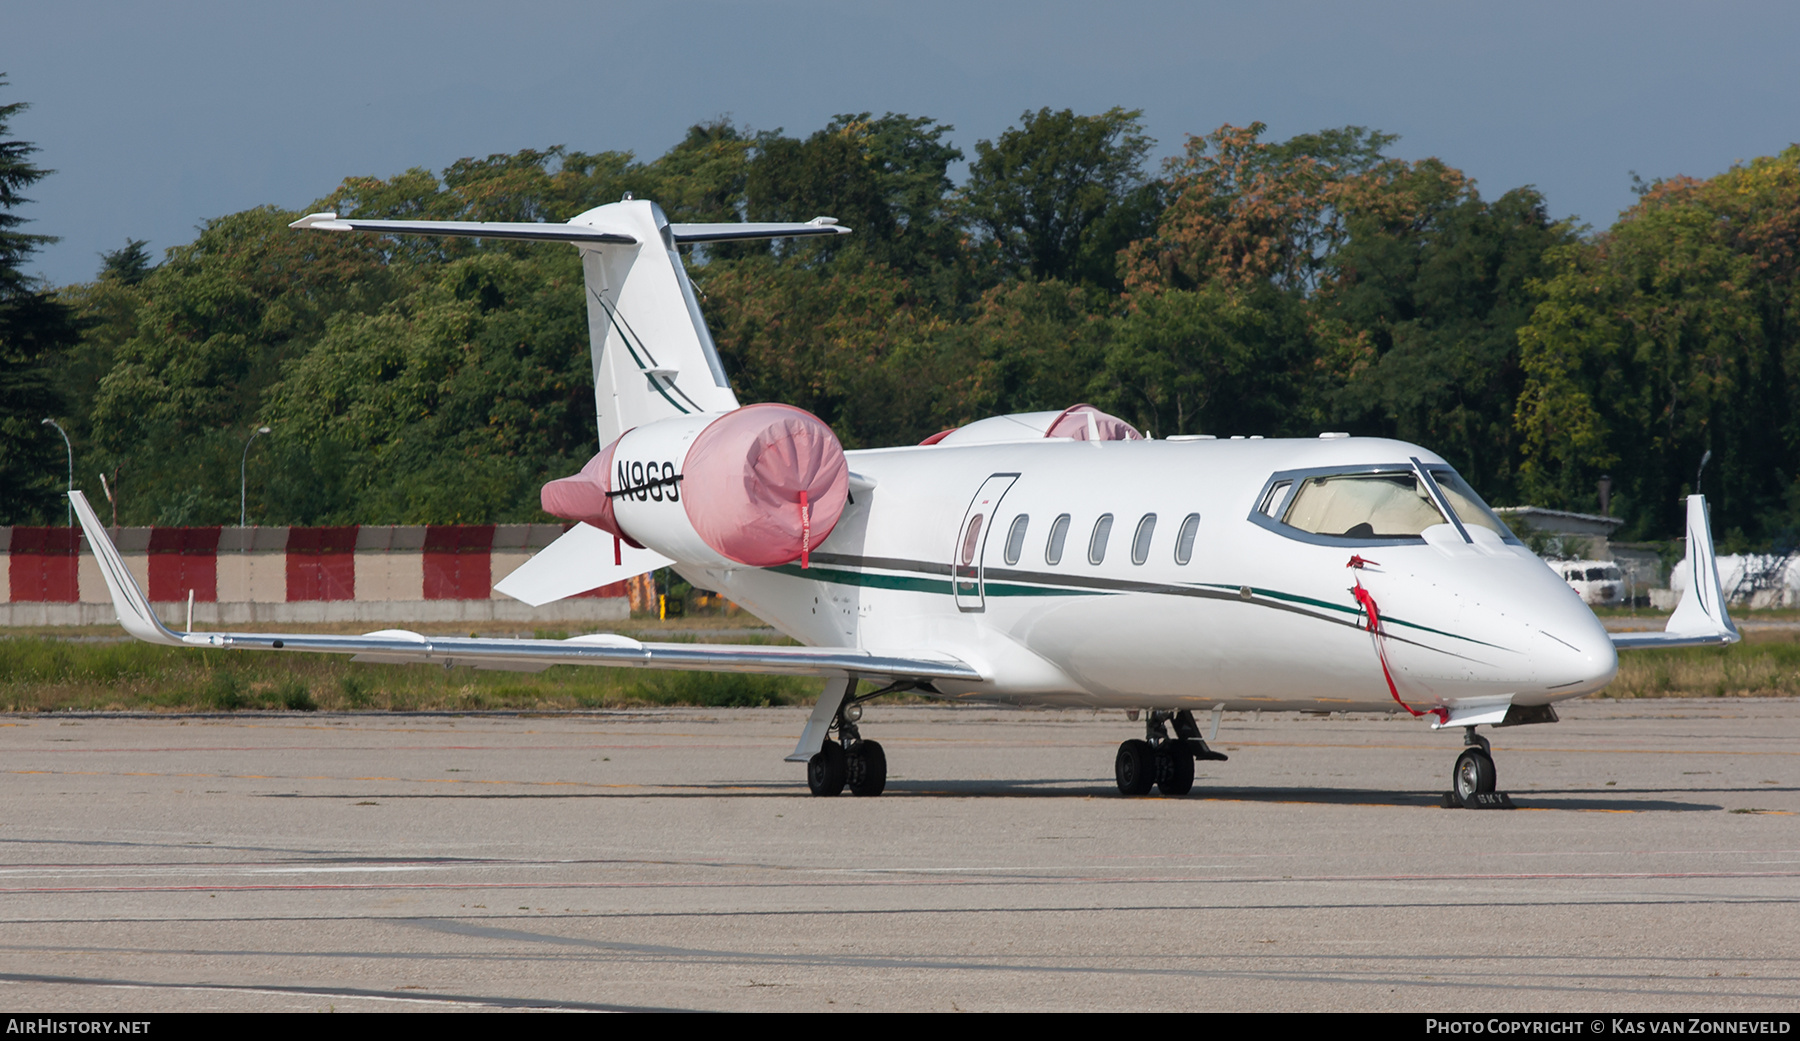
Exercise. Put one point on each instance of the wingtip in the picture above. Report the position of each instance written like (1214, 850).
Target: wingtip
(320, 222)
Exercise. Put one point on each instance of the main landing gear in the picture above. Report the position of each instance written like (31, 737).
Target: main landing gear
(849, 761)
(1161, 761)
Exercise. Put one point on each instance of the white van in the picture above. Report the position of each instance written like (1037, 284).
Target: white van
(1600, 583)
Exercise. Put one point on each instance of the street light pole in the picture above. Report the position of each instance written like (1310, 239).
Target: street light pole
(244, 481)
(71, 448)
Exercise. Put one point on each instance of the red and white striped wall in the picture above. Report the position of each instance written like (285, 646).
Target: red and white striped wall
(239, 575)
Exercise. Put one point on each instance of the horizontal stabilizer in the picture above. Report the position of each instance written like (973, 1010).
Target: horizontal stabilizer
(576, 233)
(580, 560)
(736, 232)
(1700, 620)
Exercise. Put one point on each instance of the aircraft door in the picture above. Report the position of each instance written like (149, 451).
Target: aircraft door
(968, 555)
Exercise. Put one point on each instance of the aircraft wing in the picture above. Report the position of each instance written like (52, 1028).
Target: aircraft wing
(401, 646)
(1700, 620)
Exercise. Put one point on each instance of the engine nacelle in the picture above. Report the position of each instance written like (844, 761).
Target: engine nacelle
(757, 486)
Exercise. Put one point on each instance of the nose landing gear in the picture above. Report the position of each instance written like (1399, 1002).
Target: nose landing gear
(1161, 761)
(1473, 778)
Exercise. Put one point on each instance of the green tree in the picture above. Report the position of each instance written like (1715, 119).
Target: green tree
(128, 264)
(1670, 335)
(1243, 211)
(209, 334)
(855, 344)
(1418, 312)
(36, 329)
(450, 405)
(886, 177)
(1059, 195)
(1212, 360)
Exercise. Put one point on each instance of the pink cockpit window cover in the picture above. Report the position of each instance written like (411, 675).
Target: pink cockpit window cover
(1073, 423)
(582, 496)
(742, 479)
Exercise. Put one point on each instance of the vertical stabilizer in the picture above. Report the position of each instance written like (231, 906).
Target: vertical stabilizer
(653, 357)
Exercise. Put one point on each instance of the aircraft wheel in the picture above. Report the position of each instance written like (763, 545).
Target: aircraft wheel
(1135, 767)
(867, 768)
(826, 772)
(1474, 775)
(1175, 773)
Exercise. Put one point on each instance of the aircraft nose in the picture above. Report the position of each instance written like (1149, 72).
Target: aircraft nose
(1575, 655)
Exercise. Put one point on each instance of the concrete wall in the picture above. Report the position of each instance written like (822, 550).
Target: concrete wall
(251, 585)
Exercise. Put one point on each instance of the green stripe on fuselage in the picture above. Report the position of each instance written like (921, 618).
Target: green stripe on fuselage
(941, 586)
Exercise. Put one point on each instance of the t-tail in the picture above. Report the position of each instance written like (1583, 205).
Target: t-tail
(653, 357)
(658, 378)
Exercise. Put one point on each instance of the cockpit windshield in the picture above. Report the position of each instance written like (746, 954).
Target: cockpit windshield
(1379, 506)
(1468, 506)
(1392, 503)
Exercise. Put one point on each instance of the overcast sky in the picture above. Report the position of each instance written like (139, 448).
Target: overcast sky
(157, 116)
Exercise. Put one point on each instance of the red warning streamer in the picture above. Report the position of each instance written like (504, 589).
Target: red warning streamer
(805, 532)
(1373, 613)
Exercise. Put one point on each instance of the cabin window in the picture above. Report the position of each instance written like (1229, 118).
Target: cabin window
(971, 539)
(1015, 539)
(1377, 505)
(1097, 541)
(1059, 531)
(1140, 543)
(1184, 541)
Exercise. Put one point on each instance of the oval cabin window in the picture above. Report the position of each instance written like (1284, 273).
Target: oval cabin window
(1097, 544)
(1140, 542)
(1184, 541)
(1015, 539)
(1059, 531)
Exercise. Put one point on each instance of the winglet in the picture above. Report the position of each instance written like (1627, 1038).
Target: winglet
(321, 222)
(1700, 620)
(128, 600)
(1702, 609)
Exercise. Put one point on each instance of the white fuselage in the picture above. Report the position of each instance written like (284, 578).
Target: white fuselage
(1256, 617)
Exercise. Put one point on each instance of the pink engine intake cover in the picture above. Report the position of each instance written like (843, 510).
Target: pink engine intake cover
(742, 479)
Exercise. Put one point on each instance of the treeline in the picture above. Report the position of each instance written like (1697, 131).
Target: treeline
(1248, 286)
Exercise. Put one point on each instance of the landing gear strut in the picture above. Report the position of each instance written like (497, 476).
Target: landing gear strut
(1159, 760)
(850, 761)
(1474, 775)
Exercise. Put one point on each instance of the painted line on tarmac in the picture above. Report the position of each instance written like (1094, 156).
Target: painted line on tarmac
(892, 880)
(461, 1000)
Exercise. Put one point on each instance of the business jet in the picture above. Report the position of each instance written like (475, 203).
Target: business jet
(1044, 558)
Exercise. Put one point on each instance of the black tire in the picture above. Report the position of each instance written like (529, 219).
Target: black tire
(1135, 767)
(825, 772)
(867, 766)
(1474, 775)
(1175, 773)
